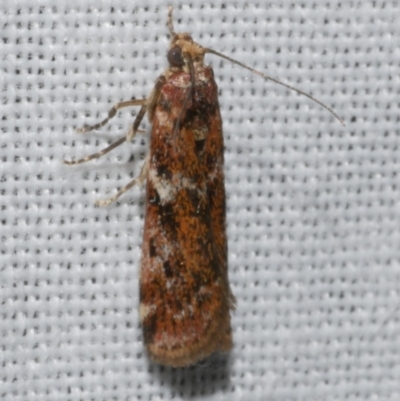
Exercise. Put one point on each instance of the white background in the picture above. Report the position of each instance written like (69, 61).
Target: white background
(313, 207)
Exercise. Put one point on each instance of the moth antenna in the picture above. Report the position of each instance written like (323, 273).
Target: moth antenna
(207, 50)
(169, 23)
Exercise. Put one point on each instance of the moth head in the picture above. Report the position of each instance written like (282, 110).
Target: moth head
(183, 49)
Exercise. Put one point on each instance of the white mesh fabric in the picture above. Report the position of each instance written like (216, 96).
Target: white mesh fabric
(313, 207)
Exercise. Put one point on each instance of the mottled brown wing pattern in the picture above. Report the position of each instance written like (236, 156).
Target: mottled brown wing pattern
(185, 296)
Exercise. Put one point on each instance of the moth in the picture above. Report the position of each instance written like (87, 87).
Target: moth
(185, 297)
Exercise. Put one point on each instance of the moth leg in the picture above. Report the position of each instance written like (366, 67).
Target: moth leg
(147, 107)
(137, 180)
(112, 112)
(120, 141)
(96, 155)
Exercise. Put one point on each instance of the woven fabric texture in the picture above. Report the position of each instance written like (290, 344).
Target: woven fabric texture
(313, 207)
